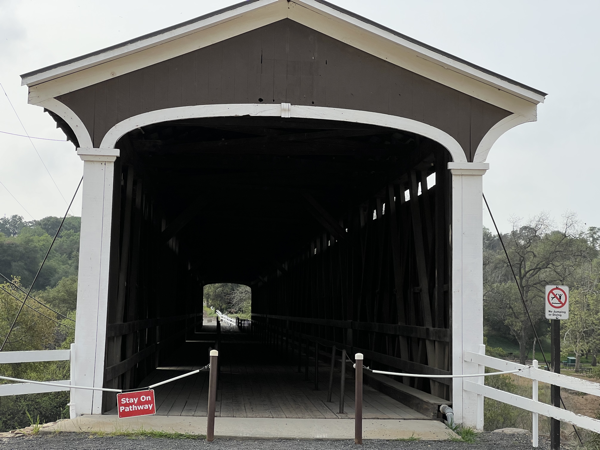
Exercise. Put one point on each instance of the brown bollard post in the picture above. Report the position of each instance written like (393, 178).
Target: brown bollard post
(343, 382)
(212, 396)
(331, 368)
(358, 395)
(306, 361)
(299, 341)
(316, 366)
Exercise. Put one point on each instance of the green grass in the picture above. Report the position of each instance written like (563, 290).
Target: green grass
(509, 345)
(412, 438)
(35, 424)
(142, 433)
(209, 312)
(505, 343)
(465, 434)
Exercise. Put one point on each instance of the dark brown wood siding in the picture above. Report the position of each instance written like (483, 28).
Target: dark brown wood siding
(285, 62)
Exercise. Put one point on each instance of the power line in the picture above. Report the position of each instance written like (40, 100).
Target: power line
(32, 144)
(16, 286)
(35, 310)
(41, 266)
(15, 198)
(33, 137)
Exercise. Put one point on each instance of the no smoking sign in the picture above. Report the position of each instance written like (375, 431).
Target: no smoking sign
(557, 302)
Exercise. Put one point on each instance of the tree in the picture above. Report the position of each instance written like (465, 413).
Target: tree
(33, 331)
(580, 331)
(241, 301)
(540, 256)
(63, 297)
(25, 245)
(11, 226)
(228, 298)
(22, 247)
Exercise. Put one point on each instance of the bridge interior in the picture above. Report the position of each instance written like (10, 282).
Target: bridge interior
(262, 381)
(340, 229)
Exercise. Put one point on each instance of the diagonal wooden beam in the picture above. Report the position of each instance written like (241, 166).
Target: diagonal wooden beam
(222, 144)
(184, 218)
(324, 218)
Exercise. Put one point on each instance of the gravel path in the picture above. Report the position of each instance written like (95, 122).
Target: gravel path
(60, 441)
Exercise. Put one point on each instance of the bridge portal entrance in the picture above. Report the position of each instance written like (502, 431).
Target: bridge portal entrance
(330, 164)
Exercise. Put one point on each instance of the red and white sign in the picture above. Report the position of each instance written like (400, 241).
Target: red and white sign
(557, 302)
(133, 404)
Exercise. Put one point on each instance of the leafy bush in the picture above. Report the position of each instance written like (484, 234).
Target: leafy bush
(33, 332)
(16, 410)
(497, 352)
(502, 415)
(596, 372)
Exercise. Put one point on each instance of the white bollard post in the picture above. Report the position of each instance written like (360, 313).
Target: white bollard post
(534, 416)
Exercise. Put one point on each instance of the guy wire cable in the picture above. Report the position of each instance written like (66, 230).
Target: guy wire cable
(524, 304)
(33, 309)
(16, 286)
(32, 144)
(40, 269)
(33, 137)
(15, 199)
(516, 282)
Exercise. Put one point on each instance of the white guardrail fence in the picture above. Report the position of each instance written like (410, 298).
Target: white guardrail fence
(529, 404)
(532, 404)
(225, 318)
(35, 356)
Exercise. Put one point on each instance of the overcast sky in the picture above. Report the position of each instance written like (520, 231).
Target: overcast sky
(548, 166)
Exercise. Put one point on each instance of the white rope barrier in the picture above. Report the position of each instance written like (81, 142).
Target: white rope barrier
(179, 377)
(424, 375)
(421, 375)
(89, 388)
(50, 383)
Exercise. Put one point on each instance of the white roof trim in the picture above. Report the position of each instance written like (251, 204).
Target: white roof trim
(429, 55)
(288, 111)
(295, 10)
(152, 41)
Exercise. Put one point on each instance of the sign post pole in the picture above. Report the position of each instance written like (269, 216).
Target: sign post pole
(555, 390)
(557, 308)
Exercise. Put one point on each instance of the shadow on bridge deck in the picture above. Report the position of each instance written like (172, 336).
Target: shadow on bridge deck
(256, 382)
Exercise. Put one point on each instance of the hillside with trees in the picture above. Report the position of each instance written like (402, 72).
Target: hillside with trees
(542, 255)
(48, 319)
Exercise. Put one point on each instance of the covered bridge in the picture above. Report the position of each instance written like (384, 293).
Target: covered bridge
(331, 164)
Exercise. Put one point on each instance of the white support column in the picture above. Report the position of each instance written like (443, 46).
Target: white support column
(467, 284)
(92, 291)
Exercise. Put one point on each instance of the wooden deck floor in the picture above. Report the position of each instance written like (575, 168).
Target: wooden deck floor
(255, 387)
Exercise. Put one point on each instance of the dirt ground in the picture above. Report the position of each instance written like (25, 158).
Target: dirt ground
(577, 402)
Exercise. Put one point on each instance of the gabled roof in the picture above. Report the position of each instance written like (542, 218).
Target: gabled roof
(242, 17)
